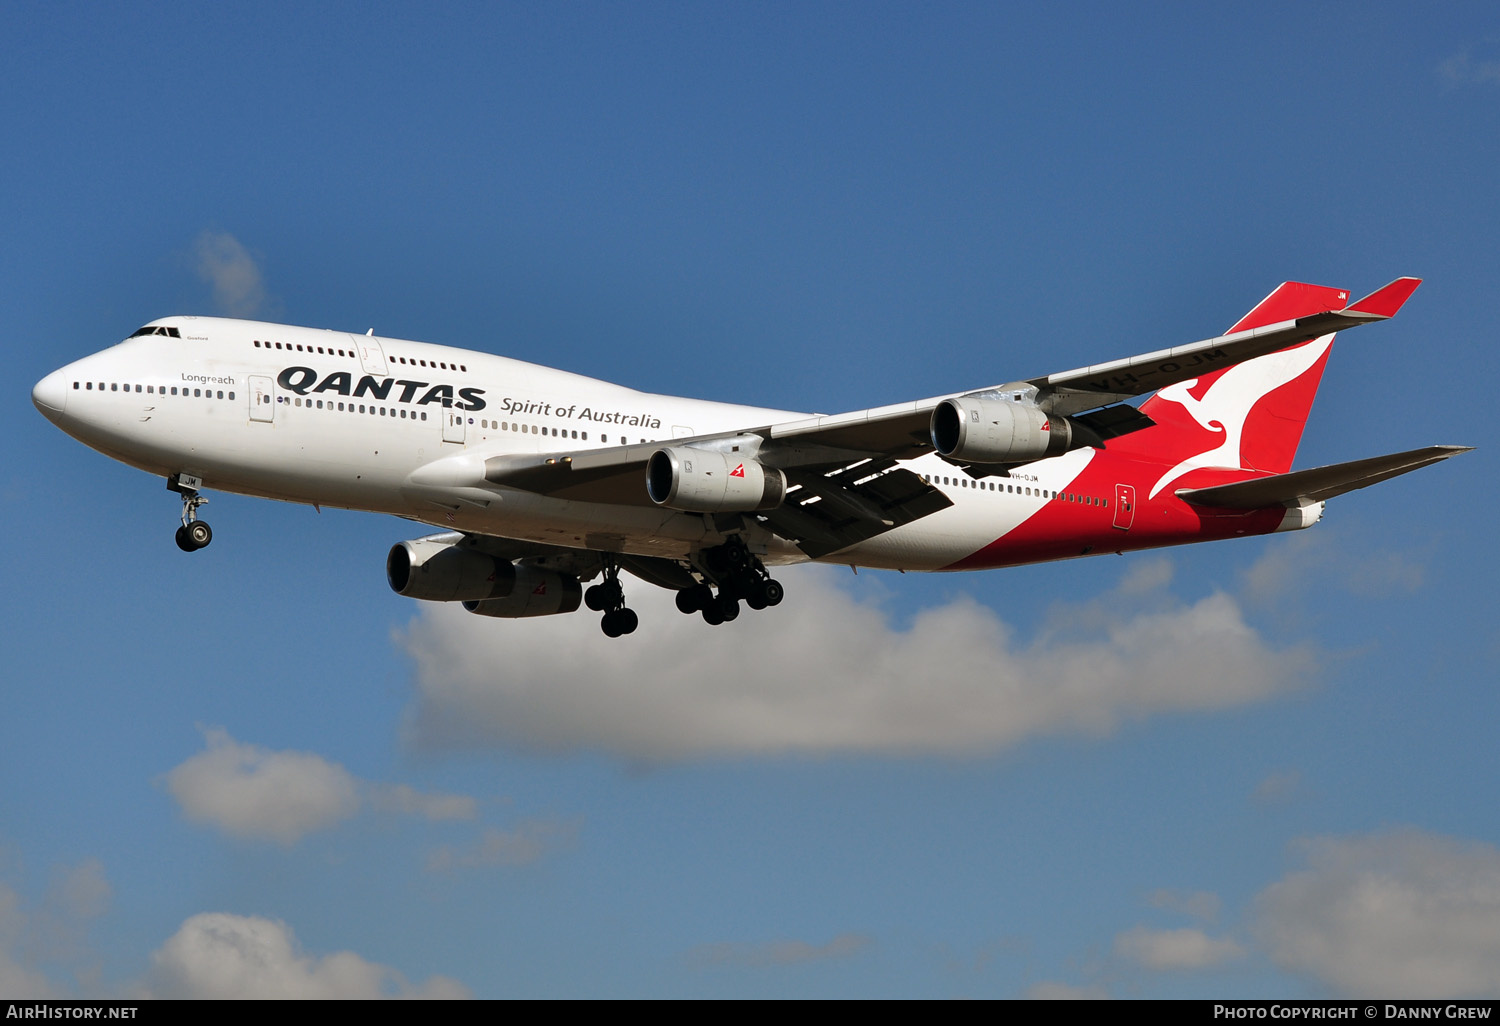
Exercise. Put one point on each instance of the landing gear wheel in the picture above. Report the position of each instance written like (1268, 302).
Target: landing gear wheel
(194, 536)
(754, 600)
(607, 594)
(619, 621)
(729, 608)
(687, 601)
(770, 592)
(712, 614)
(198, 534)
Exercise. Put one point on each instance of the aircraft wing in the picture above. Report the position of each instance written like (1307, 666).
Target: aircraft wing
(1088, 387)
(901, 430)
(834, 499)
(1303, 487)
(841, 468)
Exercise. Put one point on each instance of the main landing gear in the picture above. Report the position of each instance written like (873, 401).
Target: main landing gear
(194, 534)
(608, 597)
(739, 575)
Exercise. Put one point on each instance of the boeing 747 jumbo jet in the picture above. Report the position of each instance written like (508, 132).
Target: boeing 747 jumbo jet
(541, 479)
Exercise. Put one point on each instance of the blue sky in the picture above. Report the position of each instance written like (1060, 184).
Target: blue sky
(1185, 774)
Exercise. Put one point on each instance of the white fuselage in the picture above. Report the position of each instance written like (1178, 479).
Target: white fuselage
(391, 426)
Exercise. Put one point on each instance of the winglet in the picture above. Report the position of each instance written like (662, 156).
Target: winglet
(1385, 302)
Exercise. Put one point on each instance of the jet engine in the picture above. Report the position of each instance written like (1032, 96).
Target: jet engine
(974, 430)
(706, 481)
(438, 570)
(536, 593)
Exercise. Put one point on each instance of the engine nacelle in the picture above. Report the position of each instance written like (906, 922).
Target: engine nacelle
(536, 593)
(706, 481)
(440, 571)
(995, 431)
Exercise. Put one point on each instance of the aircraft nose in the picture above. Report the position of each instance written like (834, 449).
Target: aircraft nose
(50, 394)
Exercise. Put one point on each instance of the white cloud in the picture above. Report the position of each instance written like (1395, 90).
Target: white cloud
(1202, 905)
(525, 844)
(408, 800)
(1400, 914)
(1464, 68)
(53, 934)
(1185, 948)
(780, 952)
(825, 673)
(18, 981)
(1289, 565)
(249, 791)
(76, 896)
(232, 271)
(81, 891)
(1278, 788)
(1051, 990)
(254, 792)
(218, 955)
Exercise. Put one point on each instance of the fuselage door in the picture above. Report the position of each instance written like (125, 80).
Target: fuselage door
(1124, 506)
(371, 356)
(453, 424)
(262, 402)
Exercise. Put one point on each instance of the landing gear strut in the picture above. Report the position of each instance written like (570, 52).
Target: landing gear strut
(608, 597)
(194, 534)
(739, 575)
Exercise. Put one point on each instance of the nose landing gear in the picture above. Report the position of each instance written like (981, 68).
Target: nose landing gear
(194, 534)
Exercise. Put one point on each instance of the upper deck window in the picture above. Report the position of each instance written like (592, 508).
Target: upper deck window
(157, 329)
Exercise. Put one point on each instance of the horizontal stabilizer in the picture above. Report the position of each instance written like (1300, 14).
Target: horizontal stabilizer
(1303, 487)
(1386, 301)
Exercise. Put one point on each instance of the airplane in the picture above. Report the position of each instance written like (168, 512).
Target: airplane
(540, 479)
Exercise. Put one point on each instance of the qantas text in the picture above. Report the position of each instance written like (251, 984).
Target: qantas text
(300, 380)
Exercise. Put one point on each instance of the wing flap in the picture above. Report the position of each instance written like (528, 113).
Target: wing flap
(1303, 487)
(833, 511)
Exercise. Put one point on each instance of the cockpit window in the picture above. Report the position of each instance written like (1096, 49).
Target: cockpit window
(157, 329)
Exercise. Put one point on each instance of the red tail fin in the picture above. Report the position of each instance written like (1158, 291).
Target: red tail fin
(1249, 416)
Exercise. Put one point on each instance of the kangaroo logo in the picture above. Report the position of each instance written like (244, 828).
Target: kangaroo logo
(1230, 398)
